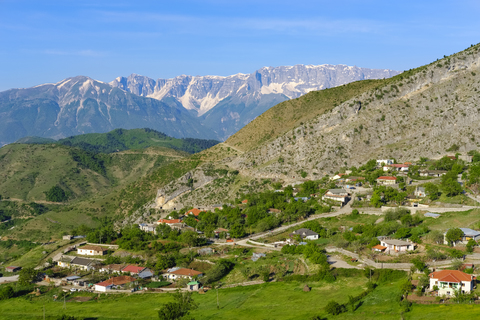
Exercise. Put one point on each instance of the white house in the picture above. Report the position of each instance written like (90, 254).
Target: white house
(396, 246)
(148, 227)
(89, 250)
(340, 195)
(179, 273)
(449, 281)
(420, 192)
(305, 234)
(114, 282)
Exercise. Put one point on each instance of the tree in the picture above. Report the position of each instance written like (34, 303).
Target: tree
(178, 309)
(237, 231)
(471, 243)
(450, 184)
(453, 235)
(56, 194)
(27, 276)
(189, 237)
(432, 190)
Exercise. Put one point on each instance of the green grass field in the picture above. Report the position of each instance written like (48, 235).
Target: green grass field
(267, 301)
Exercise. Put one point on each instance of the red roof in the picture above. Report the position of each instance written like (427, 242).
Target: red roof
(386, 178)
(117, 281)
(245, 201)
(167, 221)
(451, 276)
(133, 269)
(379, 247)
(186, 272)
(194, 211)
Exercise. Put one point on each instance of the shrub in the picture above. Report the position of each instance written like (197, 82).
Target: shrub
(334, 308)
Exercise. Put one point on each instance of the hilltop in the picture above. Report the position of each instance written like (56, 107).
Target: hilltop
(121, 140)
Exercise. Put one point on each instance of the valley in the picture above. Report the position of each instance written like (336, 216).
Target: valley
(359, 200)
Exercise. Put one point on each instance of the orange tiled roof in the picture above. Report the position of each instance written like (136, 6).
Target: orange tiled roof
(133, 269)
(386, 178)
(194, 211)
(451, 276)
(167, 221)
(379, 247)
(117, 281)
(186, 272)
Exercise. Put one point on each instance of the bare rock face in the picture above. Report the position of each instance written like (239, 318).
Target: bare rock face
(167, 197)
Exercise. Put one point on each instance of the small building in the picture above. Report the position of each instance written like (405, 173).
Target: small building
(145, 274)
(305, 234)
(219, 231)
(396, 167)
(148, 227)
(172, 223)
(67, 237)
(13, 268)
(449, 281)
(205, 251)
(65, 261)
(275, 211)
(386, 180)
(116, 282)
(256, 256)
(195, 212)
(397, 246)
(467, 235)
(245, 201)
(340, 195)
(83, 263)
(193, 286)
(383, 162)
(90, 250)
(303, 199)
(133, 269)
(182, 273)
(431, 215)
(432, 173)
(379, 248)
(420, 192)
(112, 268)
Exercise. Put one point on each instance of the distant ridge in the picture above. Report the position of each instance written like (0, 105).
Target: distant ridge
(121, 140)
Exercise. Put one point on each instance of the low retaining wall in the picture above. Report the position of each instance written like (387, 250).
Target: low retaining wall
(386, 265)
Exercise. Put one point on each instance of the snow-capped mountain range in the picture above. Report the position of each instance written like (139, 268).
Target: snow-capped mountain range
(185, 106)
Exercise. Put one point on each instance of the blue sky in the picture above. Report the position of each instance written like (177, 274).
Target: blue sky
(47, 41)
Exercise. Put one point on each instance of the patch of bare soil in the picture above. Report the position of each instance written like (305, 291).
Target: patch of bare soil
(81, 299)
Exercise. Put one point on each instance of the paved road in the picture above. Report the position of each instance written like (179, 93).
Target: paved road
(9, 279)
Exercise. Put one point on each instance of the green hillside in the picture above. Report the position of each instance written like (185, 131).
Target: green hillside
(121, 139)
(30, 170)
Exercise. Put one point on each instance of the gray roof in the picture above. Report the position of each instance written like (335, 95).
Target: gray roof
(398, 242)
(432, 215)
(337, 191)
(147, 273)
(81, 261)
(71, 278)
(305, 232)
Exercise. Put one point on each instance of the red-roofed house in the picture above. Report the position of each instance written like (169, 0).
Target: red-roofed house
(385, 180)
(133, 269)
(194, 211)
(173, 223)
(182, 273)
(245, 201)
(449, 281)
(114, 283)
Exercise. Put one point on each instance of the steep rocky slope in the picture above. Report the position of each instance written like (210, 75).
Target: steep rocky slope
(421, 112)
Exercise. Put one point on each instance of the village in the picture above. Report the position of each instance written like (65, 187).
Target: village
(383, 215)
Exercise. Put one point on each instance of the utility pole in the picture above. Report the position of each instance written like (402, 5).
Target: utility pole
(218, 306)
(64, 304)
(44, 311)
